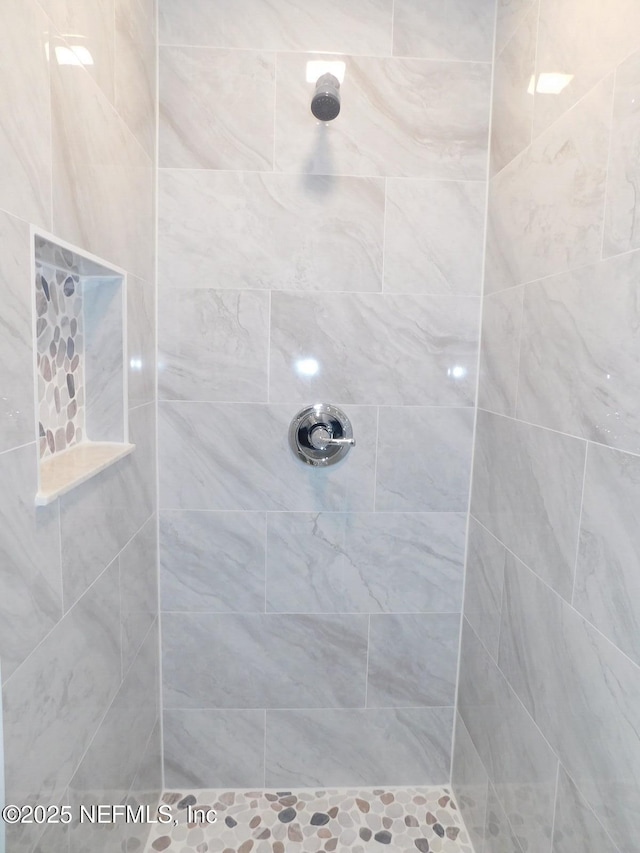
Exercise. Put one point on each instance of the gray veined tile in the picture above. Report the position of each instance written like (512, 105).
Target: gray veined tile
(461, 29)
(213, 345)
(141, 343)
(234, 230)
(135, 68)
(575, 825)
(500, 350)
(470, 783)
(527, 489)
(344, 562)
(413, 659)
(509, 16)
(483, 585)
(622, 218)
(212, 561)
(546, 208)
(360, 344)
(581, 690)
(579, 353)
(386, 746)
(214, 749)
(399, 117)
(138, 590)
(210, 459)
(216, 108)
(335, 25)
(424, 459)
(434, 236)
(607, 586)
(498, 834)
(263, 660)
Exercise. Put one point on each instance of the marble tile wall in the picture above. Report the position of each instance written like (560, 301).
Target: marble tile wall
(78, 579)
(310, 618)
(546, 749)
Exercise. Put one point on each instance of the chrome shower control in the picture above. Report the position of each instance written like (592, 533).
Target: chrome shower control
(321, 435)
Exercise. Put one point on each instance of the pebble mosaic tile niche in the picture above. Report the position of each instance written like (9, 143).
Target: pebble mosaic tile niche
(79, 362)
(415, 820)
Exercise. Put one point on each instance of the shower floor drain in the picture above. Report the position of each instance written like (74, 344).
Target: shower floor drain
(346, 820)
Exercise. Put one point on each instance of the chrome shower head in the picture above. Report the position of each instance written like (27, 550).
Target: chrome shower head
(325, 104)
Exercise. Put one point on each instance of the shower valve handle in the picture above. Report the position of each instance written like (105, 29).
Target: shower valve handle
(321, 438)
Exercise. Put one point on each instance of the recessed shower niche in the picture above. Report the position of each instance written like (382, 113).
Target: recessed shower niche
(79, 308)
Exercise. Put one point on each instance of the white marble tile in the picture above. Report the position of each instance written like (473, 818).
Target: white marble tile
(249, 230)
(546, 208)
(586, 41)
(513, 98)
(210, 458)
(579, 353)
(74, 674)
(213, 345)
(263, 660)
(527, 488)
(413, 659)
(461, 29)
(135, 68)
(359, 747)
(141, 341)
(138, 590)
(622, 219)
(576, 826)
(435, 479)
(16, 346)
(483, 585)
(216, 108)
(470, 782)
(521, 765)
(364, 562)
(362, 343)
(434, 236)
(583, 694)
(500, 350)
(335, 25)
(509, 16)
(607, 586)
(102, 179)
(402, 117)
(214, 749)
(30, 581)
(212, 562)
(25, 150)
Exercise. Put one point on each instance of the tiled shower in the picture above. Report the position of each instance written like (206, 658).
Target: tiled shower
(434, 643)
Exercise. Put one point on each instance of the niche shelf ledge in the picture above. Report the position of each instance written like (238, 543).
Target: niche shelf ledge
(63, 471)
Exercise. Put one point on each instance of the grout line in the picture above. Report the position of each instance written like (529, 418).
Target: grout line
(366, 667)
(555, 808)
(264, 757)
(274, 613)
(575, 563)
(520, 341)
(608, 166)
(375, 462)
(313, 708)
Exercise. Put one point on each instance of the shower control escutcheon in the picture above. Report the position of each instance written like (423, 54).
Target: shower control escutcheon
(321, 435)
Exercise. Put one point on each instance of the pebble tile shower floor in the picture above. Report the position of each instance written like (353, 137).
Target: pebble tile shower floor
(309, 821)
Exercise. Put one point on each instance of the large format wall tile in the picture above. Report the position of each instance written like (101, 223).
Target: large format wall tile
(509, 16)
(135, 68)
(359, 747)
(527, 489)
(141, 341)
(214, 749)
(25, 150)
(74, 674)
(483, 585)
(499, 836)
(403, 117)
(521, 765)
(575, 825)
(470, 783)
(263, 661)
(583, 694)
(253, 230)
(412, 660)
(461, 29)
(336, 25)
(435, 479)
(363, 343)
(138, 590)
(546, 208)
(607, 587)
(212, 562)
(31, 600)
(216, 108)
(236, 456)
(500, 350)
(579, 353)
(622, 221)
(16, 346)
(213, 345)
(434, 236)
(364, 562)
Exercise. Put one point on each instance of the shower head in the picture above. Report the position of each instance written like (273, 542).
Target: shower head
(325, 104)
